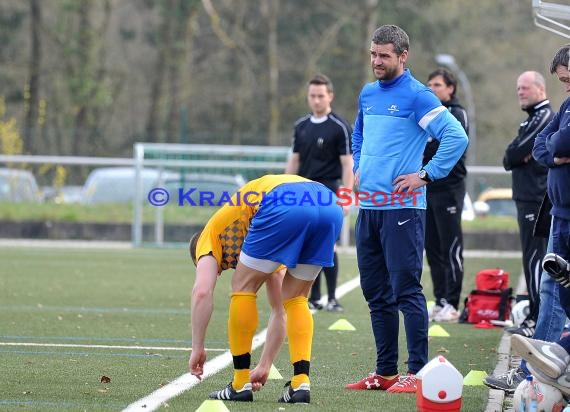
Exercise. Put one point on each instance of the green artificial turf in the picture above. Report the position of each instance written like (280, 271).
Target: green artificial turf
(139, 300)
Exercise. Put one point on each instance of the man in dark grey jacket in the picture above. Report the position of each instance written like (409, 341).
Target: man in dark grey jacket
(529, 186)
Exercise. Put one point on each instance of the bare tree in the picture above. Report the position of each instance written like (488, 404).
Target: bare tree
(183, 12)
(107, 73)
(153, 116)
(370, 24)
(82, 66)
(169, 63)
(80, 38)
(271, 10)
(34, 68)
(238, 37)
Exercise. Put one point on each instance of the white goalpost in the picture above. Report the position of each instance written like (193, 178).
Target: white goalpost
(222, 167)
(219, 164)
(551, 17)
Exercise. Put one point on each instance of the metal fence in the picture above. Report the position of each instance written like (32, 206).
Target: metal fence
(250, 161)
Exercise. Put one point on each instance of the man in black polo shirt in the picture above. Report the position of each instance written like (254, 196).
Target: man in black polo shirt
(322, 152)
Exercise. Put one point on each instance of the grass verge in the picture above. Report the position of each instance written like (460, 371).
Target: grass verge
(174, 214)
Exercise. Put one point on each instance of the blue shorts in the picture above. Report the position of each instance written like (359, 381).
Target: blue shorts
(296, 223)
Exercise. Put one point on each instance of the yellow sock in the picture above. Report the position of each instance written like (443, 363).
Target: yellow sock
(300, 335)
(297, 380)
(241, 377)
(242, 323)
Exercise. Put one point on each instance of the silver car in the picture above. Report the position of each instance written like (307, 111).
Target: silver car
(18, 186)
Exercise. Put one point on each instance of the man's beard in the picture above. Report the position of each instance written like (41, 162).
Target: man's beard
(387, 74)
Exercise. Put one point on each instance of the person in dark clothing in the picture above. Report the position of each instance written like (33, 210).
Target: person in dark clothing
(552, 150)
(444, 237)
(551, 316)
(322, 153)
(529, 186)
(548, 362)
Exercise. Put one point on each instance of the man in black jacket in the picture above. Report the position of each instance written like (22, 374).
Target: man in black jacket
(444, 237)
(529, 186)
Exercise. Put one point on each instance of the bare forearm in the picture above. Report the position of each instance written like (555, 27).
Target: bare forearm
(275, 335)
(348, 179)
(202, 308)
(292, 166)
(347, 173)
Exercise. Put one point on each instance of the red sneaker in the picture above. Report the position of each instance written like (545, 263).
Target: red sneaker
(406, 384)
(372, 382)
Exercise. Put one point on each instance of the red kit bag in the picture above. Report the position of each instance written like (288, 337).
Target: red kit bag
(488, 305)
(489, 279)
(492, 300)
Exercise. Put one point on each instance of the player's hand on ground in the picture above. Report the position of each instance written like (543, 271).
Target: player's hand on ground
(196, 362)
(258, 377)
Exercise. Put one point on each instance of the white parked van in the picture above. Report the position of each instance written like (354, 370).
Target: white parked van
(117, 184)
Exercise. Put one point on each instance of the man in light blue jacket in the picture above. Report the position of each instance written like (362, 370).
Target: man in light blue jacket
(396, 115)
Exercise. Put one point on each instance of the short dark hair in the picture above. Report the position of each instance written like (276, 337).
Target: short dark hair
(392, 34)
(561, 58)
(320, 79)
(192, 246)
(448, 78)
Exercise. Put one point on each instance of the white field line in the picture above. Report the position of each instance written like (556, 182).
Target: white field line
(73, 345)
(181, 384)
(67, 244)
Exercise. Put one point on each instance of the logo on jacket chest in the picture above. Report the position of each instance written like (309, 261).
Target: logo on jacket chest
(393, 108)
